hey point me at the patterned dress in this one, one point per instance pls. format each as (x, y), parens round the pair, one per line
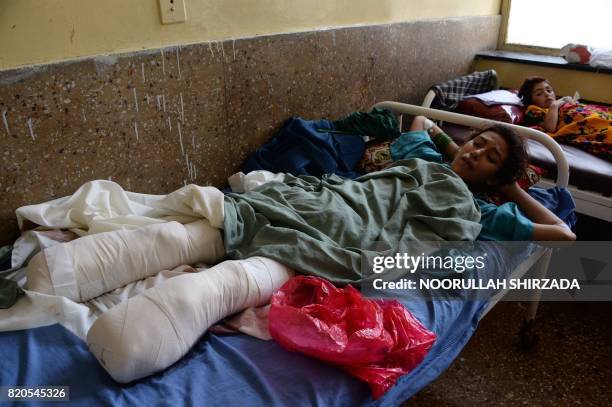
(588, 127)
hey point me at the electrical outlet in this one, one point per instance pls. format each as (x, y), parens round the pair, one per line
(172, 11)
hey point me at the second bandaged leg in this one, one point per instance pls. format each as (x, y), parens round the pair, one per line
(155, 328)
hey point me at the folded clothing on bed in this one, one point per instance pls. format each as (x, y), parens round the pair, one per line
(379, 124)
(305, 147)
(317, 147)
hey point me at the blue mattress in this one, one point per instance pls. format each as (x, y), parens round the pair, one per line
(241, 370)
(226, 370)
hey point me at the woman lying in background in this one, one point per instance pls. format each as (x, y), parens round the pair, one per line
(588, 127)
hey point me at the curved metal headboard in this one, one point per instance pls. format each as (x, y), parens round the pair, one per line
(479, 123)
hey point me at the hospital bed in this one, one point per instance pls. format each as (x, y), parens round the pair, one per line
(242, 370)
(591, 177)
(539, 260)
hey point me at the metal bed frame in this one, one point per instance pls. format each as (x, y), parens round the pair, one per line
(539, 261)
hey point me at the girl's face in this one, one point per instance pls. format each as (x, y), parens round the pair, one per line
(543, 95)
(478, 161)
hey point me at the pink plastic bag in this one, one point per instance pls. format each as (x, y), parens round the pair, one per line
(376, 341)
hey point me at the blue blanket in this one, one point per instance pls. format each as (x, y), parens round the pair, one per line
(304, 147)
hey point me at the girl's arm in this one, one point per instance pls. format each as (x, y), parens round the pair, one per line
(547, 226)
(419, 124)
(552, 116)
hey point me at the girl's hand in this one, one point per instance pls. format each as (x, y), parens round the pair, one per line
(563, 100)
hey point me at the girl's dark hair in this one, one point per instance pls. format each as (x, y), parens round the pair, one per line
(515, 165)
(527, 88)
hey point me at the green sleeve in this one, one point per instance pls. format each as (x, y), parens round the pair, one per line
(380, 124)
(9, 293)
(415, 144)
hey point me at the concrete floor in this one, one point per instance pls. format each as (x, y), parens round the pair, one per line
(571, 364)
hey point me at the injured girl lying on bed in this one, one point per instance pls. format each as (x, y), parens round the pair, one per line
(281, 225)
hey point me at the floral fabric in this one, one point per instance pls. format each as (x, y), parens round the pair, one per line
(588, 127)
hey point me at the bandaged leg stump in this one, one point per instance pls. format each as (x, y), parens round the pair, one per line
(93, 265)
(154, 329)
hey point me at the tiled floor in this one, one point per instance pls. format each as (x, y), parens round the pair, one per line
(571, 365)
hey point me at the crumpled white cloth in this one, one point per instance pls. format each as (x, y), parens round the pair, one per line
(584, 54)
(97, 206)
(601, 58)
(239, 182)
(101, 206)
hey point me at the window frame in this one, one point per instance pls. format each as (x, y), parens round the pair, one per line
(503, 45)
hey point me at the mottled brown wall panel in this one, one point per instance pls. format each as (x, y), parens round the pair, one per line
(155, 120)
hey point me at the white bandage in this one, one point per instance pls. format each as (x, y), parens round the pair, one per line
(154, 329)
(92, 265)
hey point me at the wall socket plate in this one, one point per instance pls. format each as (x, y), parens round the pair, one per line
(172, 11)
